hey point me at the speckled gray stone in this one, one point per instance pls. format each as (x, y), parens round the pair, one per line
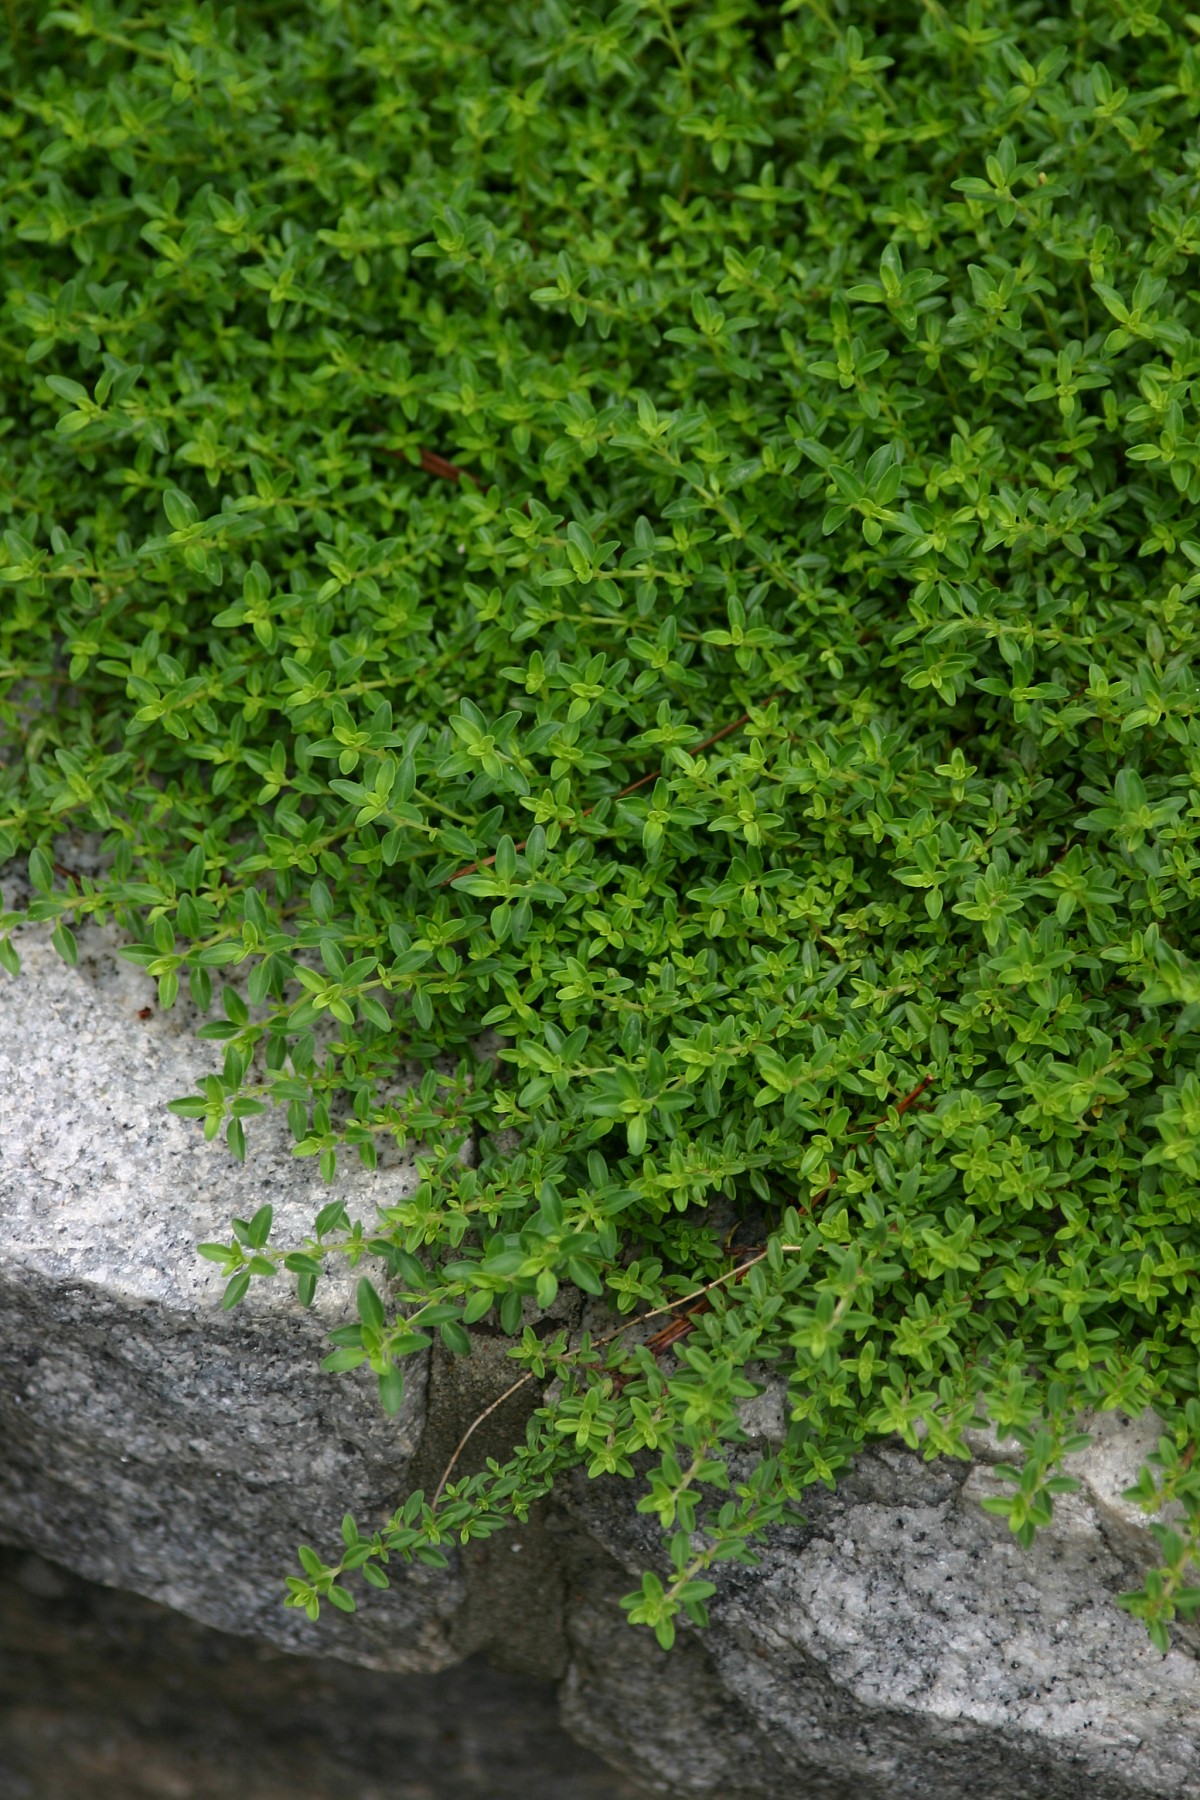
(898, 1646)
(149, 1439)
(902, 1646)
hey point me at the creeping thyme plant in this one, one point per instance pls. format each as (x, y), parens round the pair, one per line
(643, 560)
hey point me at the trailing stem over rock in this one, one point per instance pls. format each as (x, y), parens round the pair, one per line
(638, 563)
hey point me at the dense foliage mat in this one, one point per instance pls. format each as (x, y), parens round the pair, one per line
(638, 560)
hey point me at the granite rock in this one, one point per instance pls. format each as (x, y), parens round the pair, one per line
(151, 1440)
(897, 1646)
(106, 1696)
(901, 1645)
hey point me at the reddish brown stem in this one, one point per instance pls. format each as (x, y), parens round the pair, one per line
(433, 464)
(904, 1104)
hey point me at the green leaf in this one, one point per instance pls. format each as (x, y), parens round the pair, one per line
(259, 1228)
(455, 1338)
(370, 1306)
(65, 944)
(235, 1290)
(391, 1390)
(800, 826)
(41, 872)
(179, 509)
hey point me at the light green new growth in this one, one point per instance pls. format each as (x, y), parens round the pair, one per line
(663, 534)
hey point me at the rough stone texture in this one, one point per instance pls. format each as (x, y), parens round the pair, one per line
(899, 1646)
(902, 1646)
(151, 1440)
(105, 1696)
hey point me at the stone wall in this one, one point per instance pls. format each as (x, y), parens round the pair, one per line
(898, 1644)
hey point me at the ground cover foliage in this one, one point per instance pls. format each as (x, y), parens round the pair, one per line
(662, 534)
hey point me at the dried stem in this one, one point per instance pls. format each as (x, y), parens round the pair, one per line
(469, 1433)
(678, 1328)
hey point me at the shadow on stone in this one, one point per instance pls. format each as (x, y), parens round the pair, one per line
(104, 1693)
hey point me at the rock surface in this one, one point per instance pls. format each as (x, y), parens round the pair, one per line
(151, 1440)
(105, 1696)
(899, 1644)
(902, 1646)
